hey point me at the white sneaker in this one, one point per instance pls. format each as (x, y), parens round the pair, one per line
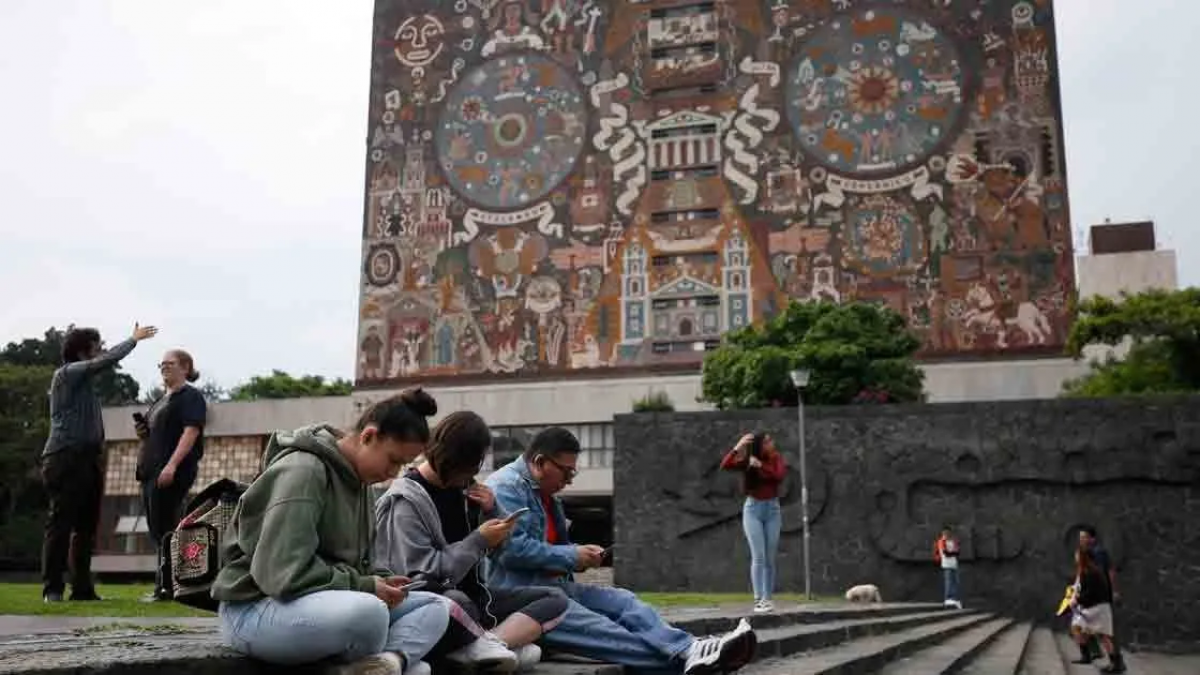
(486, 652)
(722, 654)
(385, 663)
(763, 606)
(529, 656)
(419, 668)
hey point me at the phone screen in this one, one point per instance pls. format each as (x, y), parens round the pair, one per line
(517, 514)
(415, 585)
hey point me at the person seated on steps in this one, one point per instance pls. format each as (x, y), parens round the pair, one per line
(298, 586)
(428, 525)
(606, 624)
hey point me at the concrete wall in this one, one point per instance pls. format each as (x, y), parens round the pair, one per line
(1016, 479)
(1132, 272)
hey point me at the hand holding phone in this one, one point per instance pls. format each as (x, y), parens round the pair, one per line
(414, 585)
(607, 555)
(516, 514)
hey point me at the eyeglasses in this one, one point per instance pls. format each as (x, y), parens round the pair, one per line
(569, 472)
(167, 364)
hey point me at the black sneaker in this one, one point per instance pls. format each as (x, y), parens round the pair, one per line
(88, 596)
(52, 596)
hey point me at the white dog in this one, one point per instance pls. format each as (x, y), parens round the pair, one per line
(864, 593)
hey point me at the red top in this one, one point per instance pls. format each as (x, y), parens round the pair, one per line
(770, 474)
(551, 529)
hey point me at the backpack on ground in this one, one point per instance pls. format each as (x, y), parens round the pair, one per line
(193, 549)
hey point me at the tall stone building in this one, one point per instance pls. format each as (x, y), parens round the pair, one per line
(591, 187)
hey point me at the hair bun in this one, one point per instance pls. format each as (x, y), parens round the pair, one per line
(193, 375)
(419, 401)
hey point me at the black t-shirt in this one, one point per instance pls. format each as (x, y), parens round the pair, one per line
(168, 417)
(457, 522)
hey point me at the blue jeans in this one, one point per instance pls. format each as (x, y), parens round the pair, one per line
(611, 624)
(345, 625)
(949, 584)
(761, 519)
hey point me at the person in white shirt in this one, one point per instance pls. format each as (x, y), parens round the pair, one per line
(945, 552)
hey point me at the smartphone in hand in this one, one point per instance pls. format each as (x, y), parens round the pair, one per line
(516, 514)
(414, 585)
(607, 555)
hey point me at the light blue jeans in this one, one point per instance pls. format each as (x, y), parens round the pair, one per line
(949, 584)
(761, 519)
(342, 625)
(613, 625)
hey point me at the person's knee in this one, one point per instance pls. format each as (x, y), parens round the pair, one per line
(362, 620)
(430, 619)
(556, 601)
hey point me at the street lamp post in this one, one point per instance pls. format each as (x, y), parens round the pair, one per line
(800, 380)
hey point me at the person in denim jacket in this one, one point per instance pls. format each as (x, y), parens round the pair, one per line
(607, 624)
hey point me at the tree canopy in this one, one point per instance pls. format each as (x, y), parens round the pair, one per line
(855, 353)
(24, 424)
(1163, 329)
(113, 386)
(281, 385)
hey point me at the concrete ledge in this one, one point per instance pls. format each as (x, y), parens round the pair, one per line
(192, 646)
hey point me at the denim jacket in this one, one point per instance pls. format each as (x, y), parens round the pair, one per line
(527, 559)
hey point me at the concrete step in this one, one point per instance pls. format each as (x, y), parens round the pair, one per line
(951, 655)
(869, 655)
(1041, 654)
(798, 638)
(1004, 655)
(720, 620)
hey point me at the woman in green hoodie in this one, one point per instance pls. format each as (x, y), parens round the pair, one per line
(298, 585)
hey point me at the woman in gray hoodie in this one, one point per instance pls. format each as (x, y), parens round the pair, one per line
(428, 525)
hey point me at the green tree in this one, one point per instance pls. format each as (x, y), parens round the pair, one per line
(1163, 329)
(113, 386)
(855, 353)
(281, 385)
(212, 392)
(24, 424)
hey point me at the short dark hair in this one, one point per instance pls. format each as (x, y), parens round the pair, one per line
(1089, 529)
(401, 417)
(458, 444)
(77, 342)
(551, 442)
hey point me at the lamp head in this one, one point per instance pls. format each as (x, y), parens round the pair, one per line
(800, 378)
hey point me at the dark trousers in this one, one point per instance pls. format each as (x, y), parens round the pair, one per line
(74, 480)
(164, 509)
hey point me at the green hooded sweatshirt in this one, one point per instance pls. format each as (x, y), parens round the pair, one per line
(304, 525)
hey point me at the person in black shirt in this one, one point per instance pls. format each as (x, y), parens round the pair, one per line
(172, 434)
(437, 523)
(1092, 611)
(1088, 539)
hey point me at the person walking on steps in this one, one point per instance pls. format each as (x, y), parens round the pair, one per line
(72, 464)
(1093, 648)
(945, 552)
(1092, 616)
(763, 469)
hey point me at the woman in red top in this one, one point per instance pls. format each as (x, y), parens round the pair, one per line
(763, 469)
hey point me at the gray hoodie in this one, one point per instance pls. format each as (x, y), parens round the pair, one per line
(409, 537)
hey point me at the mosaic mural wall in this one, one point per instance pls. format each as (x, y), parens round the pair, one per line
(568, 185)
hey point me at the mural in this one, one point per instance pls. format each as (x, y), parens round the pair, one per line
(567, 185)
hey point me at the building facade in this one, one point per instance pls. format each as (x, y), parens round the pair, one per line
(587, 189)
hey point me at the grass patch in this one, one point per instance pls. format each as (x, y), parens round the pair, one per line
(669, 600)
(123, 600)
(120, 600)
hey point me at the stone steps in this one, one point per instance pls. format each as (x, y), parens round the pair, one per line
(870, 654)
(800, 638)
(953, 654)
(1041, 654)
(1004, 656)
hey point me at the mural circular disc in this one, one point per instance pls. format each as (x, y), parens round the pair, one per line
(511, 131)
(383, 264)
(875, 92)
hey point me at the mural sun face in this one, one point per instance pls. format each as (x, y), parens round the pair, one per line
(419, 40)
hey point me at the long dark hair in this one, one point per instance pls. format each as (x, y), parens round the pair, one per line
(751, 480)
(458, 444)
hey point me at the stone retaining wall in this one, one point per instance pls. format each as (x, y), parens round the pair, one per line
(1016, 479)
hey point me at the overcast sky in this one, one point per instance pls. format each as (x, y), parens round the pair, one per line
(199, 165)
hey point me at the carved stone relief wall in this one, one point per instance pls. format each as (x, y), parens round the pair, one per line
(570, 185)
(1016, 480)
